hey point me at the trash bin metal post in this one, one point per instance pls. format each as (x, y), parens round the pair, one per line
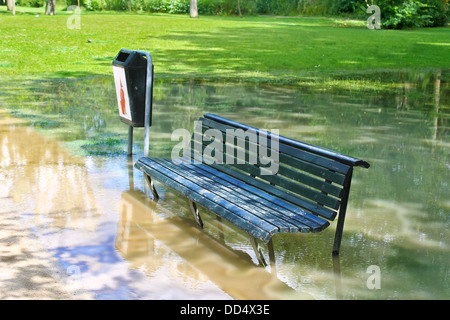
(130, 140)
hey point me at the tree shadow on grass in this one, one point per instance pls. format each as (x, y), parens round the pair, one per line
(292, 52)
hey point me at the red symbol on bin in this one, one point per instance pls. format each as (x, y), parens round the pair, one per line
(122, 99)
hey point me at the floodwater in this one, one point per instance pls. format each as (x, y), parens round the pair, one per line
(64, 165)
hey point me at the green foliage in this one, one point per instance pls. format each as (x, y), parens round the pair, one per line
(410, 13)
(328, 7)
(395, 14)
(345, 6)
(281, 7)
(440, 11)
(30, 3)
(178, 6)
(155, 6)
(69, 3)
(398, 14)
(208, 7)
(226, 7)
(94, 4)
(163, 6)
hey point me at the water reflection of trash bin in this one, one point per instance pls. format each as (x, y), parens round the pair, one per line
(130, 78)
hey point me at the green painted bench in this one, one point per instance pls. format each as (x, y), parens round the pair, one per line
(308, 188)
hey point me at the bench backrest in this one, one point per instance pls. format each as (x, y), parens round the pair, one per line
(313, 178)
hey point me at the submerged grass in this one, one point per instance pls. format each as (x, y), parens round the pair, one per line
(252, 49)
(108, 146)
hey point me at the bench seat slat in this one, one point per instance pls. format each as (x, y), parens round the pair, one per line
(258, 228)
(293, 212)
(252, 206)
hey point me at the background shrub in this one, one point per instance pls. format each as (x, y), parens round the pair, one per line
(395, 14)
(398, 14)
(94, 4)
(30, 3)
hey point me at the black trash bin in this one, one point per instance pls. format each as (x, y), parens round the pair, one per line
(130, 76)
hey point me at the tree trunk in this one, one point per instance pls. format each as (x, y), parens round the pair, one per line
(193, 11)
(437, 96)
(11, 5)
(50, 7)
(239, 9)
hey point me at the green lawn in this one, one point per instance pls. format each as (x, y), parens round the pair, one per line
(230, 48)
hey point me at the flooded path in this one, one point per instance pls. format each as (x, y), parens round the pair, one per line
(28, 270)
(93, 235)
(74, 208)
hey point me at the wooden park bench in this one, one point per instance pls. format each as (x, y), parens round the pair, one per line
(309, 189)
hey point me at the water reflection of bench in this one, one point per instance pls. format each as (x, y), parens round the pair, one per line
(310, 187)
(147, 233)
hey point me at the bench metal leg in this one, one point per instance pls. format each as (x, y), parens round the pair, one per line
(341, 216)
(152, 187)
(271, 256)
(338, 235)
(258, 252)
(194, 210)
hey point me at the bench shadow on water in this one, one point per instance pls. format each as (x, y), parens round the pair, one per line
(397, 219)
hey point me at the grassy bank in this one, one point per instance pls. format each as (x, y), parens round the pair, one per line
(261, 49)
